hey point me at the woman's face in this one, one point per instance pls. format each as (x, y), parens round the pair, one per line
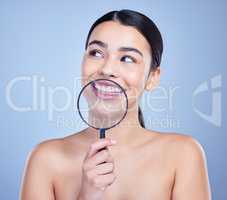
(119, 53)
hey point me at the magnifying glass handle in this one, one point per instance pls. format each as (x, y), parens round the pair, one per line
(102, 133)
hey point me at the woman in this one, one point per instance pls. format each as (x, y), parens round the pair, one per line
(132, 163)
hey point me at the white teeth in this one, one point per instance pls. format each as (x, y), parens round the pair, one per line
(103, 88)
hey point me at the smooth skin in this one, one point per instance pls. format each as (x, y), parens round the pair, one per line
(138, 164)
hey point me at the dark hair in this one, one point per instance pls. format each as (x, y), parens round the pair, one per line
(145, 26)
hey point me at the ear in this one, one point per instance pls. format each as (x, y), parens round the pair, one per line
(153, 79)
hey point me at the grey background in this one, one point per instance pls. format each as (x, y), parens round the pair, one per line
(44, 40)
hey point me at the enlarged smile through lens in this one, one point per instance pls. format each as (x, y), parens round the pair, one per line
(106, 90)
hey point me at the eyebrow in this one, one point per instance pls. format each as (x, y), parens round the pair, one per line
(102, 44)
(131, 49)
(98, 42)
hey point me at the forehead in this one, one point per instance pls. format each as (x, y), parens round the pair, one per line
(117, 35)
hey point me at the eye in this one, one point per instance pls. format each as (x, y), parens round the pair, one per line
(128, 59)
(95, 53)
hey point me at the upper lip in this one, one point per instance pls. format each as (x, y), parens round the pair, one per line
(108, 82)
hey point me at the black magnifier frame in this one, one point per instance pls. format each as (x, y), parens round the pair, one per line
(102, 130)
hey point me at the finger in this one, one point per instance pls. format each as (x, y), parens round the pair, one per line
(103, 181)
(100, 157)
(104, 168)
(100, 144)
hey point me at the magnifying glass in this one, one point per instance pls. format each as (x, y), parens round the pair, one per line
(102, 104)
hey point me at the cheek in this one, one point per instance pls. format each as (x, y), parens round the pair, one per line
(89, 67)
(135, 79)
(86, 72)
(135, 84)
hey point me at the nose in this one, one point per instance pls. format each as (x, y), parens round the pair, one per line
(108, 68)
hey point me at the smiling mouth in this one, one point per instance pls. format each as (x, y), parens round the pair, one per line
(106, 90)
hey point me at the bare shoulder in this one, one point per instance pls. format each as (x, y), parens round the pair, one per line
(39, 171)
(186, 156)
(50, 153)
(179, 145)
(45, 155)
(184, 144)
(45, 163)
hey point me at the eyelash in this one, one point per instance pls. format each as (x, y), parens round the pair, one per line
(92, 53)
(133, 59)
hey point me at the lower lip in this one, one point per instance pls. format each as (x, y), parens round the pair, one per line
(105, 95)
